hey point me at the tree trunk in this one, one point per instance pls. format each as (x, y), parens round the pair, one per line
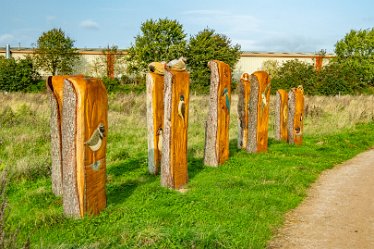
(155, 119)
(296, 115)
(216, 150)
(281, 115)
(85, 109)
(258, 112)
(174, 149)
(243, 103)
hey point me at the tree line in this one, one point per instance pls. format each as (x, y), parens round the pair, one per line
(352, 71)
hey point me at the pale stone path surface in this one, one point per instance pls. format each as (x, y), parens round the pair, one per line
(338, 212)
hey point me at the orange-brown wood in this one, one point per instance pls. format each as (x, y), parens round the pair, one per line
(174, 172)
(224, 85)
(298, 123)
(55, 86)
(156, 95)
(283, 115)
(92, 110)
(244, 93)
(263, 110)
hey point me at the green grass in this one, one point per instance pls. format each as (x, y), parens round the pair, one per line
(238, 205)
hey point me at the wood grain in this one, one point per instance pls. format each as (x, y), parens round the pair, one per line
(243, 102)
(281, 115)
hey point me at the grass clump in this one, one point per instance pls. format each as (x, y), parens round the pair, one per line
(238, 205)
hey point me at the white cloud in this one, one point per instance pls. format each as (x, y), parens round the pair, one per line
(51, 18)
(89, 24)
(6, 38)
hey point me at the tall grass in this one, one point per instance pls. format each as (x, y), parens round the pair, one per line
(237, 205)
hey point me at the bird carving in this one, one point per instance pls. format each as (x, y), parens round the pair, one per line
(263, 96)
(157, 67)
(227, 99)
(159, 144)
(177, 64)
(96, 139)
(181, 108)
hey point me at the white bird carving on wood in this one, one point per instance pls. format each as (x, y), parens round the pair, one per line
(96, 139)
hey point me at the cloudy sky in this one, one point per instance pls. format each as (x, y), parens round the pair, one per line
(262, 25)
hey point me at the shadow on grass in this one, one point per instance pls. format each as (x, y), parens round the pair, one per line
(132, 173)
(129, 165)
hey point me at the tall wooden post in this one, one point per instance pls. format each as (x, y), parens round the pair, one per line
(296, 115)
(84, 139)
(216, 149)
(244, 92)
(174, 173)
(55, 89)
(155, 119)
(281, 115)
(258, 112)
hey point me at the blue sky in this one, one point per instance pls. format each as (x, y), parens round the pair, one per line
(262, 25)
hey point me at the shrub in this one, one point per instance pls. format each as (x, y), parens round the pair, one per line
(19, 75)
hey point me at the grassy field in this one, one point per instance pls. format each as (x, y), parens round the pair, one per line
(238, 205)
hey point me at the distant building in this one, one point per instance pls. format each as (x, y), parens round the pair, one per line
(93, 60)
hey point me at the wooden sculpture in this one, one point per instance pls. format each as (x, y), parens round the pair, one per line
(281, 115)
(84, 139)
(155, 114)
(174, 146)
(258, 112)
(55, 88)
(244, 91)
(216, 149)
(296, 115)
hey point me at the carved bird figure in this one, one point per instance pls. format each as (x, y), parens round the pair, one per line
(157, 67)
(177, 64)
(181, 108)
(96, 139)
(227, 99)
(159, 144)
(264, 94)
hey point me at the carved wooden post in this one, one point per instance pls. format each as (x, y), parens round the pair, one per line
(216, 149)
(55, 89)
(281, 115)
(155, 115)
(174, 148)
(296, 115)
(258, 112)
(84, 139)
(244, 91)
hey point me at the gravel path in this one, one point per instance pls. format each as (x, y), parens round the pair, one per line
(338, 212)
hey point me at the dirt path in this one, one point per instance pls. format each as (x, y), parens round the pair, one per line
(338, 212)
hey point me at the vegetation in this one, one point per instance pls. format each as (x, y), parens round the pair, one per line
(204, 47)
(238, 205)
(160, 40)
(55, 52)
(356, 52)
(19, 75)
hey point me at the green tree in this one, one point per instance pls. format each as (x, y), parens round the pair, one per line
(55, 52)
(160, 40)
(206, 46)
(356, 50)
(293, 73)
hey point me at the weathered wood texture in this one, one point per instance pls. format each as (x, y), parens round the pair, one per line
(258, 112)
(243, 102)
(85, 107)
(155, 119)
(55, 90)
(281, 115)
(174, 173)
(296, 115)
(216, 150)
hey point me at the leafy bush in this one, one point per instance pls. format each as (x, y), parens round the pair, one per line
(293, 73)
(206, 46)
(126, 84)
(19, 75)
